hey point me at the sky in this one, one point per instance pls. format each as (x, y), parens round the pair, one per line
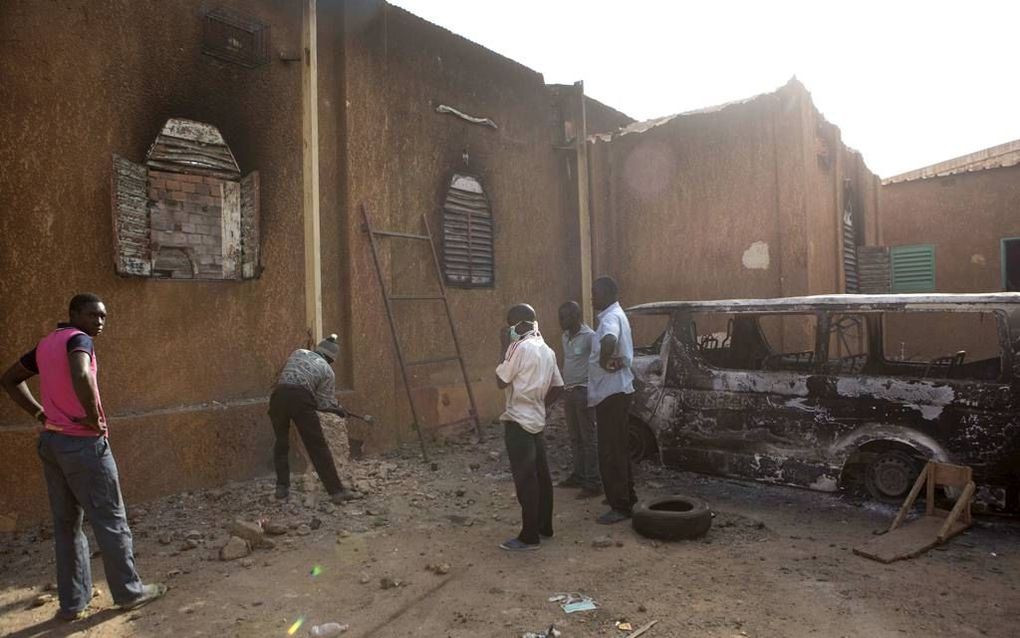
(908, 83)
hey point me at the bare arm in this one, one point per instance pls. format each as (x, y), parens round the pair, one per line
(85, 389)
(13, 381)
(554, 393)
(607, 348)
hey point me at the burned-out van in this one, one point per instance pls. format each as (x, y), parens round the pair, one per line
(826, 391)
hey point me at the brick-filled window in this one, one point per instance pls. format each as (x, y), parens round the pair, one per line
(186, 214)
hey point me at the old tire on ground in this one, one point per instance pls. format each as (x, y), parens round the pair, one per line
(890, 475)
(672, 518)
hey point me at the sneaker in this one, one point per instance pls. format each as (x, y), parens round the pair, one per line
(570, 481)
(611, 517)
(517, 545)
(588, 492)
(149, 594)
(71, 616)
(282, 492)
(345, 495)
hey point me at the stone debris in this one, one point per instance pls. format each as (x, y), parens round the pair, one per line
(602, 541)
(42, 599)
(274, 528)
(387, 582)
(440, 569)
(235, 548)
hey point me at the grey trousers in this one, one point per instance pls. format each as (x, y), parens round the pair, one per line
(583, 437)
(81, 477)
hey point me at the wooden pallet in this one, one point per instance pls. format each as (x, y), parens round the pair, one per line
(935, 527)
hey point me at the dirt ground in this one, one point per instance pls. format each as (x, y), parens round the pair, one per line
(777, 562)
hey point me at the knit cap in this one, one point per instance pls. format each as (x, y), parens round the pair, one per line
(328, 347)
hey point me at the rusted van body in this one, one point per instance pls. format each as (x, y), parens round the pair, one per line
(822, 391)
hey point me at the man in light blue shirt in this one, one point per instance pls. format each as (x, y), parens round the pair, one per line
(610, 390)
(577, 338)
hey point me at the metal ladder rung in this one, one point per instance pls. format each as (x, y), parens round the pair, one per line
(390, 233)
(425, 362)
(416, 297)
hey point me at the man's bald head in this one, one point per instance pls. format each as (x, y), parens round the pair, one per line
(570, 316)
(604, 292)
(520, 312)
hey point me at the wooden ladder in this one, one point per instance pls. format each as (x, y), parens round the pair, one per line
(388, 299)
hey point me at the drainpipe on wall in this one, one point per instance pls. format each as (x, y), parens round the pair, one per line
(583, 211)
(310, 145)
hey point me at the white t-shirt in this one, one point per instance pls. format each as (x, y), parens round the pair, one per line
(529, 367)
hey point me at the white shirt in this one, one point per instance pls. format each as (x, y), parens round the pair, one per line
(602, 383)
(529, 369)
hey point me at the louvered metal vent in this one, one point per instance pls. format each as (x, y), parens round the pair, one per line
(913, 268)
(235, 37)
(467, 234)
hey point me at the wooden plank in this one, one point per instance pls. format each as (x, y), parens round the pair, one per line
(913, 539)
(583, 214)
(953, 475)
(230, 228)
(909, 503)
(929, 506)
(310, 134)
(950, 527)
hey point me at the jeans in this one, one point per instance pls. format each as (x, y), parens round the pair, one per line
(295, 403)
(613, 417)
(532, 481)
(583, 437)
(81, 477)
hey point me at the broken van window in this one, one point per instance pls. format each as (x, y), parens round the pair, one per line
(942, 345)
(848, 344)
(756, 342)
(648, 332)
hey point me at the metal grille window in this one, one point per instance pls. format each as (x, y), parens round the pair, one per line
(467, 234)
(913, 268)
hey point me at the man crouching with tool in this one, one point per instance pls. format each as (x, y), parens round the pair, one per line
(307, 386)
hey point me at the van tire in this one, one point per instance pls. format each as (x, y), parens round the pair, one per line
(641, 441)
(889, 476)
(672, 518)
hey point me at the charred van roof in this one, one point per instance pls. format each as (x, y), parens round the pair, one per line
(969, 302)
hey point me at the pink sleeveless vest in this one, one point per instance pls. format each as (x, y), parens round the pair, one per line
(60, 403)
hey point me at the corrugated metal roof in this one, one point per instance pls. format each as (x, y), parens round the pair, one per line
(1001, 156)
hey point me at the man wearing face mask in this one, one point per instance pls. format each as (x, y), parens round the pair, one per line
(531, 380)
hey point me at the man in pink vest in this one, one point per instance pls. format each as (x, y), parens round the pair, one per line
(81, 475)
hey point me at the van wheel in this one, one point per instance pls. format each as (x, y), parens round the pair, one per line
(672, 518)
(641, 440)
(890, 475)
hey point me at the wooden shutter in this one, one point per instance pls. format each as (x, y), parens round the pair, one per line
(467, 234)
(250, 266)
(873, 269)
(851, 273)
(132, 243)
(913, 268)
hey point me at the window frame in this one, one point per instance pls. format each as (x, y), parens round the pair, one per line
(814, 368)
(1002, 261)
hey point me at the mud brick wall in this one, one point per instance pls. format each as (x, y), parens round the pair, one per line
(187, 213)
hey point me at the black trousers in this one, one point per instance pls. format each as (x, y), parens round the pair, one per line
(612, 417)
(290, 402)
(530, 469)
